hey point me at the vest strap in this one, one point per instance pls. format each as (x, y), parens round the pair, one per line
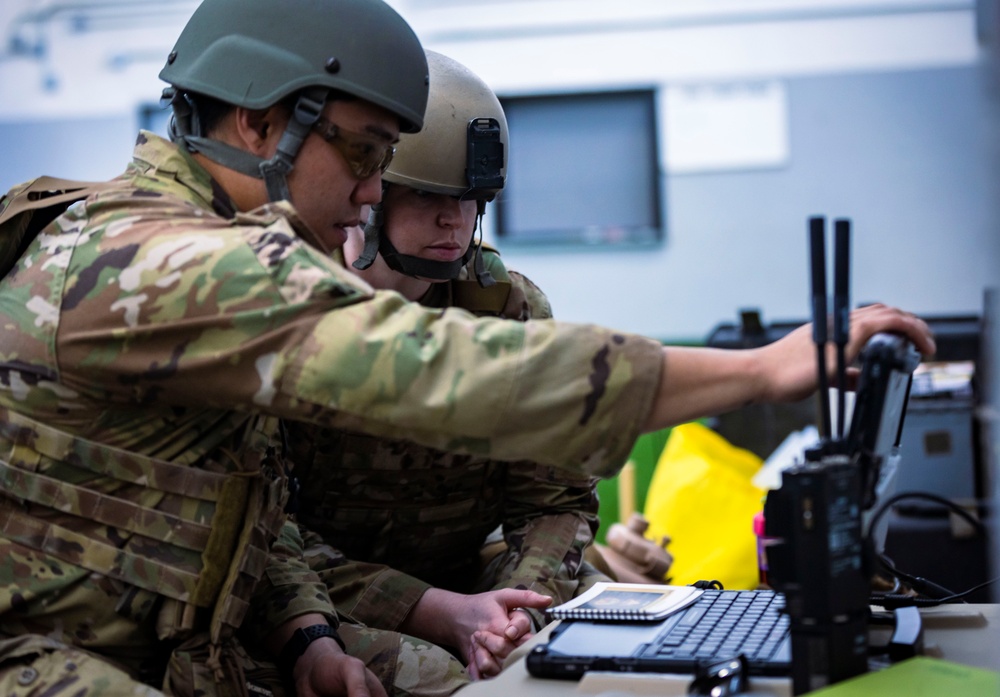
(102, 508)
(232, 507)
(94, 555)
(106, 460)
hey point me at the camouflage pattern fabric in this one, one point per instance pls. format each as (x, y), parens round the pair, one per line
(391, 517)
(35, 665)
(158, 295)
(154, 318)
(177, 532)
(406, 666)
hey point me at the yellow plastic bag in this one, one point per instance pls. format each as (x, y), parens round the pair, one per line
(702, 497)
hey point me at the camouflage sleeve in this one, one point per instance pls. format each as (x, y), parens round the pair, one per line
(551, 518)
(526, 301)
(255, 319)
(289, 588)
(372, 594)
(380, 596)
(551, 515)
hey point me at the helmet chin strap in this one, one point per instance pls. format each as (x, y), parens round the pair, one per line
(378, 243)
(185, 129)
(423, 268)
(373, 228)
(484, 277)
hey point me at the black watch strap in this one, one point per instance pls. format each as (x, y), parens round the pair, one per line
(299, 642)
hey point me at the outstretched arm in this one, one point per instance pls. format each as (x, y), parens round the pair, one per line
(697, 382)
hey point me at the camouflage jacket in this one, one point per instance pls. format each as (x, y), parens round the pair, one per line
(408, 516)
(155, 318)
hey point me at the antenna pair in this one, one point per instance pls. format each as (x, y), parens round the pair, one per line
(841, 315)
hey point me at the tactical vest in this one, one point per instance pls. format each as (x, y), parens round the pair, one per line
(247, 511)
(246, 504)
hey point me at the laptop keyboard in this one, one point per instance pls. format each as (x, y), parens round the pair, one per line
(724, 624)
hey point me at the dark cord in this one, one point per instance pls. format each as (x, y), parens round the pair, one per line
(891, 601)
(708, 585)
(951, 505)
(921, 585)
(918, 583)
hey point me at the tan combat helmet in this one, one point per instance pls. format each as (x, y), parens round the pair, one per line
(461, 151)
(257, 53)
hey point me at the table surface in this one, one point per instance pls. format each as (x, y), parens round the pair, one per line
(963, 633)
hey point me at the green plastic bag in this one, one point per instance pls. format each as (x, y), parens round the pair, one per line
(702, 497)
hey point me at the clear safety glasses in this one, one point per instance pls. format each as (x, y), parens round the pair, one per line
(364, 155)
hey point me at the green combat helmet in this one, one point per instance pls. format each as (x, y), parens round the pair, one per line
(255, 53)
(461, 152)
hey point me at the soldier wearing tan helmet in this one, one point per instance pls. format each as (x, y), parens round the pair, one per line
(460, 157)
(426, 530)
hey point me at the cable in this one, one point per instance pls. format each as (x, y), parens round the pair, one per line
(918, 583)
(891, 601)
(951, 505)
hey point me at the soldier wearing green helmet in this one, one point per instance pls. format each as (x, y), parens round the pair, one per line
(170, 564)
(160, 328)
(402, 536)
(250, 55)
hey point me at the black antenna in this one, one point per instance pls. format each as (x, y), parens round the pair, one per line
(817, 249)
(841, 310)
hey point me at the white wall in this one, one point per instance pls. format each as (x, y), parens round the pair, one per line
(924, 193)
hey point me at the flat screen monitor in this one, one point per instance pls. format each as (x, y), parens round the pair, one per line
(582, 169)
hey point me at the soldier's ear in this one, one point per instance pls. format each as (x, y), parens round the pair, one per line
(257, 130)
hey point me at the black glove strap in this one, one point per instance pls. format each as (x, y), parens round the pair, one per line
(299, 642)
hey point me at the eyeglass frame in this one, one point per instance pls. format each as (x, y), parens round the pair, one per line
(342, 140)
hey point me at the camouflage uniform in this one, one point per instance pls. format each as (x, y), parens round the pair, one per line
(427, 513)
(155, 319)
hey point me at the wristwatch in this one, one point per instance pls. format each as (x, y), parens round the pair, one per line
(299, 642)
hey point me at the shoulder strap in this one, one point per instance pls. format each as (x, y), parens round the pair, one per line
(43, 192)
(27, 208)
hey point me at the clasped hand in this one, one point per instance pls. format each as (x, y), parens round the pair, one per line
(484, 627)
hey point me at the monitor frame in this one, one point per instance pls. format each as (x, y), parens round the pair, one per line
(553, 184)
